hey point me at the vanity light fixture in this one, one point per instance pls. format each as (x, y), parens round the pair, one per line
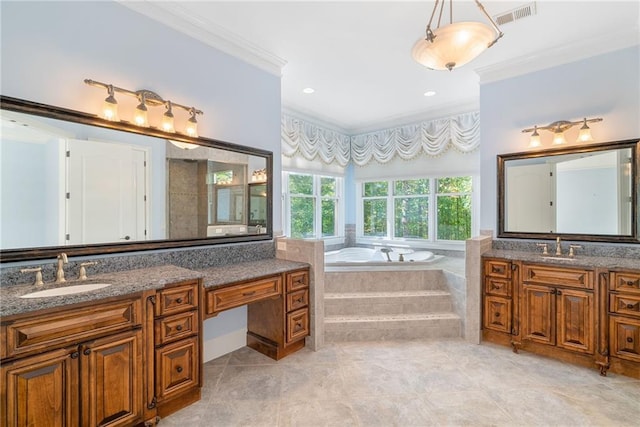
(259, 175)
(559, 128)
(146, 98)
(454, 44)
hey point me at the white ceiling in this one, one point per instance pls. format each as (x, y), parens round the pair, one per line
(357, 55)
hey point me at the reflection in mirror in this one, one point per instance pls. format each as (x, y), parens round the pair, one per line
(66, 184)
(258, 205)
(586, 193)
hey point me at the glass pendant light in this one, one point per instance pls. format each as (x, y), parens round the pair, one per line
(140, 116)
(192, 124)
(585, 133)
(110, 106)
(167, 119)
(535, 141)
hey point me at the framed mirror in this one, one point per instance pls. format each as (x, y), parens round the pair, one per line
(75, 183)
(585, 193)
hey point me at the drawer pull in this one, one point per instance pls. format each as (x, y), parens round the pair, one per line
(179, 369)
(87, 351)
(629, 340)
(300, 300)
(179, 300)
(248, 294)
(75, 355)
(298, 327)
(629, 306)
(630, 283)
(179, 327)
(559, 292)
(497, 314)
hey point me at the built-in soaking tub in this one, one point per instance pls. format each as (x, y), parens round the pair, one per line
(361, 257)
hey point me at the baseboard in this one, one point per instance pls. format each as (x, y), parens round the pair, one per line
(219, 346)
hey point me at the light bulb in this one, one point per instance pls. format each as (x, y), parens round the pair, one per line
(558, 138)
(140, 117)
(192, 125)
(110, 106)
(535, 141)
(167, 119)
(585, 133)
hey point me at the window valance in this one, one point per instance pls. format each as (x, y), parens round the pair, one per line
(462, 132)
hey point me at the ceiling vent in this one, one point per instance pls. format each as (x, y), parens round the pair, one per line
(515, 14)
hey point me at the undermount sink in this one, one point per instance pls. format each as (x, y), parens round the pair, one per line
(561, 258)
(67, 290)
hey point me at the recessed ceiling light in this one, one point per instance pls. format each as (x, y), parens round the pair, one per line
(308, 90)
(429, 93)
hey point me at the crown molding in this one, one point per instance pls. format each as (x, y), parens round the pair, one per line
(559, 55)
(175, 16)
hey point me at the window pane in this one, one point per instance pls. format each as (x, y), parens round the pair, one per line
(412, 217)
(374, 189)
(454, 217)
(328, 187)
(328, 218)
(375, 217)
(301, 217)
(301, 184)
(459, 184)
(411, 187)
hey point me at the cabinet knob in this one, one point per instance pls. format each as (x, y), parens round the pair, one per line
(629, 340)
(179, 327)
(497, 314)
(179, 369)
(629, 283)
(75, 355)
(87, 351)
(559, 292)
(298, 326)
(552, 291)
(299, 300)
(179, 300)
(629, 306)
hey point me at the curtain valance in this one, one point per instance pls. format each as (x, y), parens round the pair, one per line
(462, 132)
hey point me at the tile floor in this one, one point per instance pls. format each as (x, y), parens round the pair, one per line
(415, 383)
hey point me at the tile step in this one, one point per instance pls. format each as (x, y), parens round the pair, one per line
(390, 318)
(393, 294)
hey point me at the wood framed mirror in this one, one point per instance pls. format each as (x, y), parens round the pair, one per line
(75, 183)
(587, 193)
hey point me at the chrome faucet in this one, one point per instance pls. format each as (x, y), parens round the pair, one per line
(62, 259)
(386, 252)
(558, 247)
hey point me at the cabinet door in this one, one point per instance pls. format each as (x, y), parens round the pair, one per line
(497, 314)
(539, 314)
(575, 320)
(624, 336)
(177, 368)
(112, 380)
(41, 390)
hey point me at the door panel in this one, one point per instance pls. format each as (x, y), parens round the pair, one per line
(575, 320)
(539, 314)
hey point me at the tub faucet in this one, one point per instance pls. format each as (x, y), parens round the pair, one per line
(386, 252)
(62, 259)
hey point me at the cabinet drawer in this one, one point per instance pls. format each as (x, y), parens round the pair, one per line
(624, 338)
(237, 295)
(175, 327)
(497, 314)
(37, 333)
(626, 282)
(297, 299)
(561, 276)
(297, 325)
(497, 268)
(625, 304)
(499, 287)
(297, 280)
(178, 299)
(177, 367)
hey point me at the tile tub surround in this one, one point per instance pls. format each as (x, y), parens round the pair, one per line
(417, 383)
(192, 258)
(475, 248)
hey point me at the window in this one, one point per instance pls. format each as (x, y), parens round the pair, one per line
(311, 206)
(432, 209)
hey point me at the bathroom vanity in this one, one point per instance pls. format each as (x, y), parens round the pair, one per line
(131, 353)
(584, 310)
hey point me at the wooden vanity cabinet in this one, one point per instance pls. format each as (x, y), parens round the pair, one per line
(558, 307)
(176, 347)
(498, 296)
(74, 367)
(624, 321)
(277, 327)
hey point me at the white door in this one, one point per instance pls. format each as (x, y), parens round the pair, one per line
(106, 193)
(529, 199)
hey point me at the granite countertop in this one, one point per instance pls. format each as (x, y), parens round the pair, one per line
(122, 283)
(219, 276)
(578, 261)
(133, 281)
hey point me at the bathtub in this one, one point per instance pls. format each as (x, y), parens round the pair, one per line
(368, 256)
